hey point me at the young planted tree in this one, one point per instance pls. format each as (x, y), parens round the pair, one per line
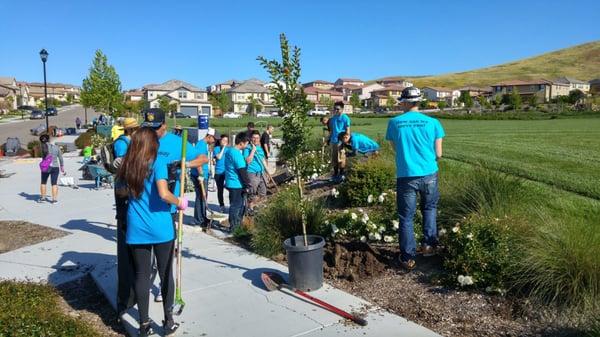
(255, 106)
(466, 99)
(290, 98)
(355, 101)
(441, 105)
(390, 102)
(163, 103)
(515, 99)
(102, 86)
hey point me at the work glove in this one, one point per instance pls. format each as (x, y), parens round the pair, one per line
(183, 203)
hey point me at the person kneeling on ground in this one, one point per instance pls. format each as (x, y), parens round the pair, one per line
(149, 223)
(237, 181)
(358, 143)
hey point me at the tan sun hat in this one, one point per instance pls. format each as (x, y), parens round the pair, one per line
(130, 123)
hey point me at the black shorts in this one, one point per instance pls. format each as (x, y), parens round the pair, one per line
(53, 174)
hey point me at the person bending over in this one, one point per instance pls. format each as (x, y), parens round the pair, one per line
(357, 143)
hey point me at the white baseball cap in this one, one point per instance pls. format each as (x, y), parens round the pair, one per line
(211, 132)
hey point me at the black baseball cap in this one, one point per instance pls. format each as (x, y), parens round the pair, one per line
(153, 118)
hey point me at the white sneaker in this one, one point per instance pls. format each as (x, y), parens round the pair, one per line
(158, 297)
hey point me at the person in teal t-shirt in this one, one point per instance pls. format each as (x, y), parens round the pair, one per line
(236, 180)
(339, 122)
(417, 141)
(200, 176)
(219, 158)
(358, 143)
(149, 223)
(255, 159)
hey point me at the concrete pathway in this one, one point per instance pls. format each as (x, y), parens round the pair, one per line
(222, 289)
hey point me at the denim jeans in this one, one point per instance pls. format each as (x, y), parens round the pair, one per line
(407, 189)
(236, 207)
(200, 217)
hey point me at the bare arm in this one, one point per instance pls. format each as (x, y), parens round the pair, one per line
(165, 194)
(438, 148)
(250, 157)
(220, 154)
(198, 161)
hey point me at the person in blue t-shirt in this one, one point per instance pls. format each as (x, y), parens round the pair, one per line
(339, 122)
(358, 143)
(255, 159)
(149, 223)
(417, 141)
(219, 160)
(237, 181)
(125, 271)
(200, 176)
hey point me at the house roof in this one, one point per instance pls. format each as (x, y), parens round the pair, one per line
(473, 88)
(134, 93)
(520, 82)
(569, 80)
(440, 89)
(349, 80)
(317, 81)
(348, 86)
(250, 86)
(391, 79)
(392, 87)
(172, 85)
(595, 81)
(4, 91)
(313, 90)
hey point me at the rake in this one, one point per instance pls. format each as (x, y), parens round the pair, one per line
(179, 304)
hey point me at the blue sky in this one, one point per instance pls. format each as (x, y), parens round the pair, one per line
(205, 42)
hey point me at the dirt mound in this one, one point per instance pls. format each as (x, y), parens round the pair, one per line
(351, 261)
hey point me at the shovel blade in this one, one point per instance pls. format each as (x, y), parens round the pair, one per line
(271, 280)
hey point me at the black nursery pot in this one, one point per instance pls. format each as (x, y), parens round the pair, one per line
(305, 263)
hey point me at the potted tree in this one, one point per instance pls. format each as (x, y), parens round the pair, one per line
(304, 252)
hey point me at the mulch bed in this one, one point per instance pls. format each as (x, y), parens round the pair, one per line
(369, 271)
(17, 234)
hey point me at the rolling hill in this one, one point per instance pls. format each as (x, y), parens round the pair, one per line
(581, 62)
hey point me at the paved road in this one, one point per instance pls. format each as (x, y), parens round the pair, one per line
(66, 118)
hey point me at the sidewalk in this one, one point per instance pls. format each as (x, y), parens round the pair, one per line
(221, 282)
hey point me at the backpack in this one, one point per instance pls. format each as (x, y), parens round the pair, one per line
(107, 154)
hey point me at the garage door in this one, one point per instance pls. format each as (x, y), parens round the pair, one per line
(190, 110)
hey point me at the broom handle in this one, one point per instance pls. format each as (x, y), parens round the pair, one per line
(180, 220)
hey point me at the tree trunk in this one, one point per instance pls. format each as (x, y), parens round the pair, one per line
(300, 194)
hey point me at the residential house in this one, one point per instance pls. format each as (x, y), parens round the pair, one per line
(190, 99)
(59, 91)
(364, 92)
(438, 94)
(134, 95)
(318, 96)
(8, 94)
(244, 94)
(346, 89)
(319, 84)
(349, 81)
(224, 86)
(380, 97)
(544, 90)
(394, 81)
(595, 86)
(24, 98)
(476, 91)
(574, 84)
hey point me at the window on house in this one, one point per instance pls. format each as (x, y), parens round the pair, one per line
(199, 96)
(182, 94)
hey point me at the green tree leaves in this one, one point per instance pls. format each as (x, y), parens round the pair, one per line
(101, 89)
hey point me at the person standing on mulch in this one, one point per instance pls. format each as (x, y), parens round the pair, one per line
(340, 122)
(219, 158)
(417, 141)
(125, 271)
(236, 180)
(52, 163)
(265, 140)
(150, 224)
(200, 176)
(255, 161)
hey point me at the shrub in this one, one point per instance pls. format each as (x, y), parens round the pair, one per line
(34, 148)
(282, 218)
(33, 310)
(561, 264)
(479, 251)
(367, 177)
(312, 164)
(84, 139)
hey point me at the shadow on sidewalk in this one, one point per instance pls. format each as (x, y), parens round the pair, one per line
(29, 197)
(105, 230)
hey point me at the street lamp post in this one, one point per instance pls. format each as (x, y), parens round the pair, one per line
(44, 57)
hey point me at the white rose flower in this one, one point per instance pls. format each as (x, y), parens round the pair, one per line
(461, 280)
(381, 229)
(388, 238)
(395, 224)
(371, 236)
(470, 236)
(365, 218)
(343, 231)
(468, 280)
(384, 194)
(377, 236)
(363, 239)
(327, 222)
(381, 198)
(353, 216)
(315, 169)
(360, 210)
(346, 211)
(455, 229)
(442, 232)
(314, 176)
(370, 198)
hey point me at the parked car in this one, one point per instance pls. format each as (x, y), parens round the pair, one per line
(51, 111)
(263, 115)
(318, 113)
(36, 114)
(382, 110)
(231, 115)
(181, 115)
